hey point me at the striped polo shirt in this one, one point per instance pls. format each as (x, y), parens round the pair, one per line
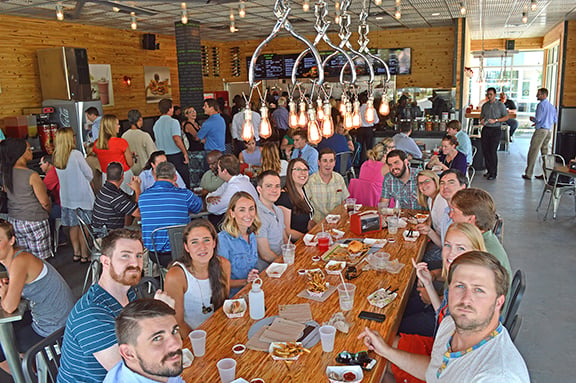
(111, 206)
(165, 205)
(89, 329)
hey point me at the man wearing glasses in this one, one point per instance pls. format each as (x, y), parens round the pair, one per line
(493, 114)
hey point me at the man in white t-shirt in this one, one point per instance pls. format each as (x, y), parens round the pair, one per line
(471, 344)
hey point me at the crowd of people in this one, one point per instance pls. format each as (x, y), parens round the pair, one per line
(463, 280)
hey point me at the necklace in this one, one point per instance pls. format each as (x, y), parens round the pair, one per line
(205, 309)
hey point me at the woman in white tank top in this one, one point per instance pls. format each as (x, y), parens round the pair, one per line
(199, 282)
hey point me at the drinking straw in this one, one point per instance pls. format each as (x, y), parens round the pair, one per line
(344, 283)
(322, 226)
(290, 238)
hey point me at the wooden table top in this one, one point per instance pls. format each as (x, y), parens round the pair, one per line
(564, 170)
(224, 333)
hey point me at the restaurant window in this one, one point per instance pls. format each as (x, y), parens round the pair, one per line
(552, 72)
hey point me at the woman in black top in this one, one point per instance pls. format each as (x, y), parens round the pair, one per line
(297, 209)
(191, 128)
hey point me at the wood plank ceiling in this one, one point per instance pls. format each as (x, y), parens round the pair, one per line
(499, 18)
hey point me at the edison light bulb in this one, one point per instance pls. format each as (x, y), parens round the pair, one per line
(327, 124)
(265, 127)
(342, 108)
(292, 117)
(370, 114)
(242, 10)
(247, 126)
(356, 121)
(348, 117)
(302, 119)
(320, 111)
(384, 107)
(378, 2)
(462, 9)
(533, 5)
(314, 136)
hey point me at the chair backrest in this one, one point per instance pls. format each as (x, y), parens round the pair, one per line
(498, 228)
(147, 287)
(40, 363)
(175, 237)
(471, 173)
(515, 326)
(516, 293)
(367, 193)
(548, 163)
(88, 234)
(343, 158)
(474, 150)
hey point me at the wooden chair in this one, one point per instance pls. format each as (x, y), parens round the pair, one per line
(549, 161)
(93, 246)
(516, 293)
(40, 363)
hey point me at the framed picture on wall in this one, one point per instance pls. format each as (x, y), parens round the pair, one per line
(157, 83)
(101, 83)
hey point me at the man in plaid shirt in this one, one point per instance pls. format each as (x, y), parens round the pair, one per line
(400, 183)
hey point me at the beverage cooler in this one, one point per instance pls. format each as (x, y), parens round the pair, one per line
(70, 113)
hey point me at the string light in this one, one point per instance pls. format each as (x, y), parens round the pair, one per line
(233, 26)
(247, 125)
(397, 14)
(242, 9)
(342, 108)
(348, 117)
(184, 17)
(320, 110)
(231, 15)
(327, 124)
(302, 119)
(133, 23)
(314, 136)
(378, 2)
(337, 5)
(533, 5)
(384, 109)
(462, 9)
(338, 18)
(306, 5)
(293, 117)
(524, 17)
(370, 114)
(356, 121)
(265, 127)
(59, 12)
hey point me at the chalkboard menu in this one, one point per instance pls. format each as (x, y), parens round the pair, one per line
(188, 52)
(274, 66)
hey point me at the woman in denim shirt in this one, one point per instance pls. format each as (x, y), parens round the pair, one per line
(237, 240)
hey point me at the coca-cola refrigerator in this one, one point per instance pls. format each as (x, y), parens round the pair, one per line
(70, 113)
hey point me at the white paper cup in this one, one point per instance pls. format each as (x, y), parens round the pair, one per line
(392, 224)
(327, 336)
(227, 370)
(198, 340)
(346, 294)
(288, 252)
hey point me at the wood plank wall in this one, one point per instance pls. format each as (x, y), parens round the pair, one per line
(20, 82)
(569, 75)
(521, 44)
(432, 55)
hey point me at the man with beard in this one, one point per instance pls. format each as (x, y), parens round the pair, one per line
(471, 344)
(400, 183)
(149, 342)
(89, 349)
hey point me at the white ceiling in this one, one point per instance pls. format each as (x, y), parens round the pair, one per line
(501, 18)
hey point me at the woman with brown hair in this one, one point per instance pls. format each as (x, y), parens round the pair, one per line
(28, 202)
(271, 159)
(74, 175)
(237, 240)
(450, 158)
(200, 280)
(297, 209)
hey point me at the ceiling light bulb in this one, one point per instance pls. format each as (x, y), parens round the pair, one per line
(116, 9)
(320, 109)
(314, 135)
(306, 5)
(184, 16)
(232, 27)
(524, 17)
(302, 119)
(242, 9)
(356, 120)
(397, 3)
(337, 5)
(533, 5)
(247, 125)
(337, 19)
(370, 113)
(384, 109)
(327, 124)
(183, 5)
(293, 117)
(133, 23)
(265, 127)
(397, 14)
(462, 9)
(378, 2)
(231, 15)
(59, 12)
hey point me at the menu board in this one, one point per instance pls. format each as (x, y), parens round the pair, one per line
(268, 66)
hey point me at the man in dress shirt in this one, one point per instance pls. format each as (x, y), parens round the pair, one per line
(471, 344)
(305, 151)
(400, 182)
(404, 142)
(492, 116)
(236, 130)
(272, 234)
(543, 122)
(326, 189)
(454, 129)
(229, 170)
(149, 342)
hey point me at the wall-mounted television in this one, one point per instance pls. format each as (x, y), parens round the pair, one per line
(272, 66)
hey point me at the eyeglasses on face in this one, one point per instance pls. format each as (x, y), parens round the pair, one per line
(299, 170)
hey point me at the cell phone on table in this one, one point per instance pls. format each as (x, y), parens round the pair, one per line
(372, 316)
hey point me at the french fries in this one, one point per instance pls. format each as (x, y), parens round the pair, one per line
(317, 282)
(289, 350)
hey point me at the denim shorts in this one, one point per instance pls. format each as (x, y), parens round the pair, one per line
(69, 216)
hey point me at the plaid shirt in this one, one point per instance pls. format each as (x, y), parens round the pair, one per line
(325, 197)
(405, 194)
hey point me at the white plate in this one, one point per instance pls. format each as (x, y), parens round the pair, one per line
(341, 370)
(310, 240)
(381, 298)
(421, 218)
(413, 238)
(332, 218)
(275, 345)
(275, 270)
(187, 358)
(340, 264)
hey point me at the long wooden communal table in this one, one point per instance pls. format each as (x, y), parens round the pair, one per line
(224, 333)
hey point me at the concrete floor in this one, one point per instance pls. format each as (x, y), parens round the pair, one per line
(545, 250)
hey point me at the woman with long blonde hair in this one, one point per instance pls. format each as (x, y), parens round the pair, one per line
(271, 159)
(237, 240)
(110, 148)
(75, 176)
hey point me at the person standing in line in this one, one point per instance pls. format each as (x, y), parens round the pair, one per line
(169, 139)
(492, 116)
(139, 142)
(543, 122)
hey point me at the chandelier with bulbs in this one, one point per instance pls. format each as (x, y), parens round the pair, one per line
(309, 103)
